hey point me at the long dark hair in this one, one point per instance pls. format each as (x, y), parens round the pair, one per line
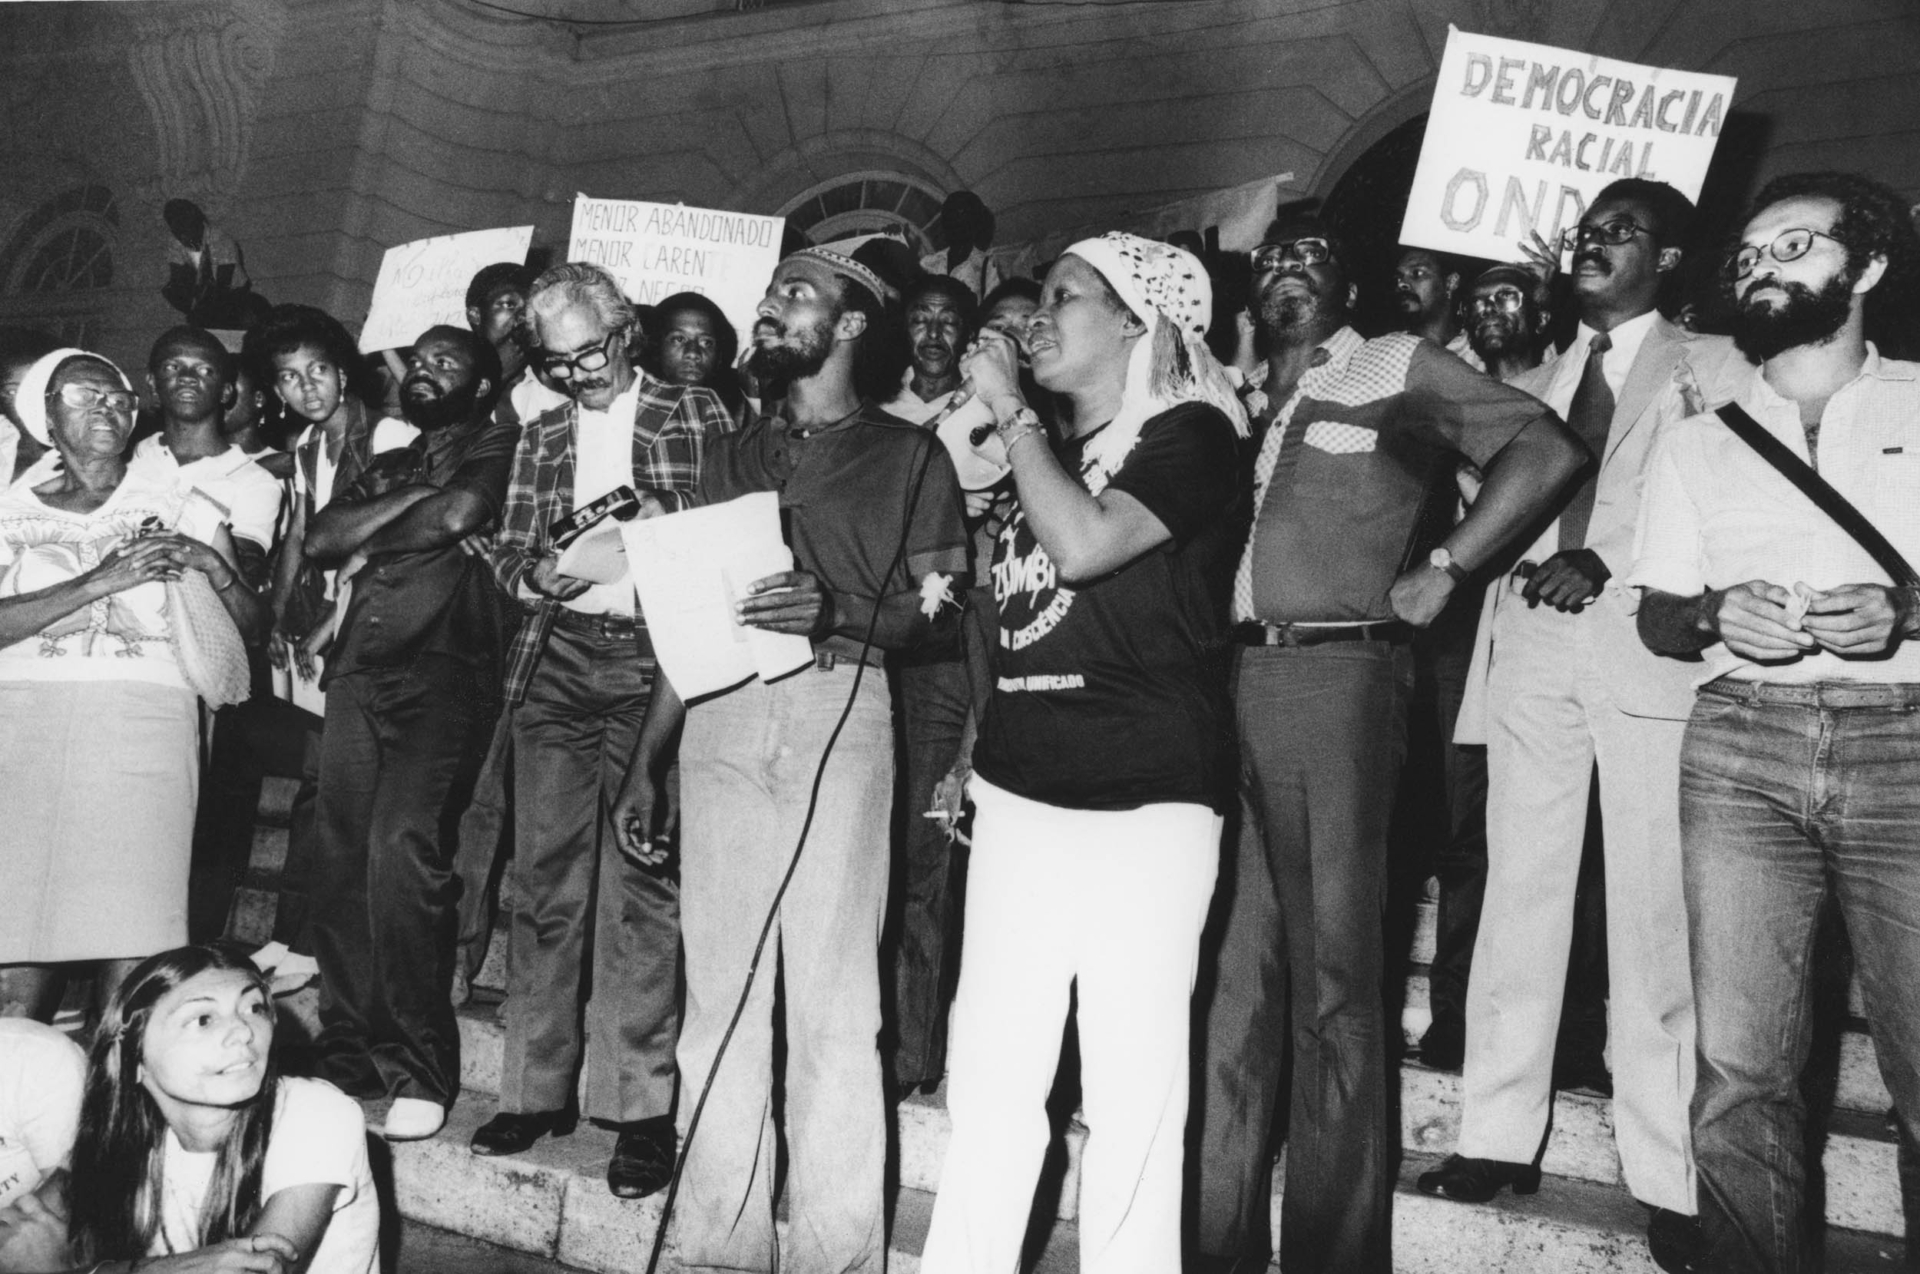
(119, 1158)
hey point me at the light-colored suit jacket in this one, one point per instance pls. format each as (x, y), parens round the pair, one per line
(1675, 375)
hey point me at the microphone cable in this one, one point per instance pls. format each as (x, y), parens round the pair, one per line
(932, 446)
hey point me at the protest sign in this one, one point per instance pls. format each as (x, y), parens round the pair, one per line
(657, 249)
(1521, 137)
(425, 282)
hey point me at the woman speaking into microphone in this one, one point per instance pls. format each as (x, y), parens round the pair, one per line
(1099, 772)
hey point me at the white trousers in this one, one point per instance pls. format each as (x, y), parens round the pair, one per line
(1549, 721)
(1113, 901)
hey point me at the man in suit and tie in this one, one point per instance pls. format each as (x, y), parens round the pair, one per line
(1567, 685)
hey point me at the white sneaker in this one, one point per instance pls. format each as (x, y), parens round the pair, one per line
(268, 958)
(294, 972)
(414, 1119)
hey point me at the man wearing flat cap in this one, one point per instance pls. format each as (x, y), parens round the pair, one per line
(873, 514)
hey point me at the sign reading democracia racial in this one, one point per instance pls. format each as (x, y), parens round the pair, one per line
(657, 249)
(1522, 136)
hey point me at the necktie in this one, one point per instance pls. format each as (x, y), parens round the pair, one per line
(1590, 416)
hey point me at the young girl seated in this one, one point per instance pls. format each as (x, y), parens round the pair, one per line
(194, 1156)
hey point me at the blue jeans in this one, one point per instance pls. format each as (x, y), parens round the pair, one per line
(747, 765)
(1789, 795)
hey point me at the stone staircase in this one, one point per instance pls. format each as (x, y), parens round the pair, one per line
(553, 1200)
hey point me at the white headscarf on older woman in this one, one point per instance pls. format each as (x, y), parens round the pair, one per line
(30, 405)
(1168, 289)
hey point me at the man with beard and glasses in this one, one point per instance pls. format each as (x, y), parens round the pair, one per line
(577, 685)
(412, 688)
(1353, 548)
(1573, 693)
(872, 510)
(1797, 769)
(935, 695)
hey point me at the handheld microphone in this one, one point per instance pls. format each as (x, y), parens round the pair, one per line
(964, 394)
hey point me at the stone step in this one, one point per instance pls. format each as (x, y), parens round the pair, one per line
(552, 1201)
(1862, 1175)
(1860, 1085)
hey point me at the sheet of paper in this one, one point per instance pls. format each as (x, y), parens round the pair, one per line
(978, 467)
(425, 282)
(1521, 137)
(599, 556)
(689, 569)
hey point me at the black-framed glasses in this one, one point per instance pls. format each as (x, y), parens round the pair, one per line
(1505, 299)
(1612, 232)
(590, 359)
(1788, 245)
(84, 397)
(1310, 251)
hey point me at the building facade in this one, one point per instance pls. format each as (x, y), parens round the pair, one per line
(317, 133)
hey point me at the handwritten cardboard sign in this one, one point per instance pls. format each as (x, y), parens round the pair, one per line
(1522, 136)
(657, 249)
(424, 283)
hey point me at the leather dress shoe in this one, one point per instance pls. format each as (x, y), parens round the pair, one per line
(1478, 1180)
(1444, 1046)
(509, 1133)
(1675, 1242)
(642, 1158)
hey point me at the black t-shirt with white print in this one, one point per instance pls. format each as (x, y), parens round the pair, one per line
(1112, 695)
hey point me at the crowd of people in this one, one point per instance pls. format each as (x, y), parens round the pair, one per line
(1119, 640)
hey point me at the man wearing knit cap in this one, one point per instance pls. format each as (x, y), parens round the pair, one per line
(1353, 548)
(873, 515)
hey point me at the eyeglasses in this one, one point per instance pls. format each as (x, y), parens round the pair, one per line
(83, 397)
(1613, 233)
(1269, 256)
(590, 359)
(1788, 245)
(1506, 300)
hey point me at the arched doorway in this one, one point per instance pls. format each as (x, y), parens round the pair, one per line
(1368, 203)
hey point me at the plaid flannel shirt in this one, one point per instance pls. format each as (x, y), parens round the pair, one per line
(669, 437)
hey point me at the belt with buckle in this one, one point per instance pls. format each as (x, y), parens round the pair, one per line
(609, 627)
(827, 660)
(1254, 633)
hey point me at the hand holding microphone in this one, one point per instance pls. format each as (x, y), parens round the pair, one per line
(991, 367)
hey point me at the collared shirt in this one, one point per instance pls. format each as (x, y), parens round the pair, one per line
(914, 409)
(1615, 363)
(1360, 485)
(603, 451)
(440, 601)
(672, 427)
(844, 491)
(250, 495)
(1715, 514)
(978, 270)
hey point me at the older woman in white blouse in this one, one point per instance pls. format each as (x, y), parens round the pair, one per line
(98, 728)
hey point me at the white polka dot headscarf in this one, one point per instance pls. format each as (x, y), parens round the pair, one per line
(1169, 290)
(1155, 279)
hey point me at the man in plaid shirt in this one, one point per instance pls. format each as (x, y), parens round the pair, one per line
(578, 679)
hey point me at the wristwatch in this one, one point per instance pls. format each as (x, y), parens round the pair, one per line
(1441, 560)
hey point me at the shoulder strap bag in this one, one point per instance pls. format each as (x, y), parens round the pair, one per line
(1821, 492)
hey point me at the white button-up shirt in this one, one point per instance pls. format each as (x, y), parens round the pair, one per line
(603, 463)
(1715, 514)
